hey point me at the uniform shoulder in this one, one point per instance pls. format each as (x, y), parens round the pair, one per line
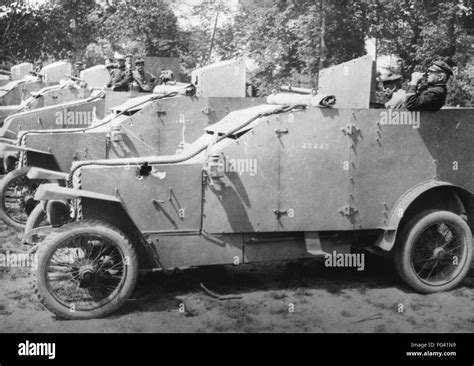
(436, 89)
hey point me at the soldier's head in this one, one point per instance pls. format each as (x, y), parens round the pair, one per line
(79, 65)
(120, 59)
(140, 64)
(391, 83)
(439, 73)
(38, 65)
(129, 59)
(109, 64)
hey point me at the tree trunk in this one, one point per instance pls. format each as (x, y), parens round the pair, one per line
(322, 45)
(213, 37)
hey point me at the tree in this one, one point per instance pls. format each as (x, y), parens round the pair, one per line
(210, 35)
(57, 31)
(291, 42)
(146, 27)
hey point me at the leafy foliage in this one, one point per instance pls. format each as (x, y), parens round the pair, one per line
(289, 41)
(57, 31)
(210, 36)
(146, 27)
(292, 42)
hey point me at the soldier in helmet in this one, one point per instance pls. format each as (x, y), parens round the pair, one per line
(145, 80)
(120, 79)
(429, 96)
(392, 86)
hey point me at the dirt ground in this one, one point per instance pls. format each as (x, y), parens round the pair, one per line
(302, 296)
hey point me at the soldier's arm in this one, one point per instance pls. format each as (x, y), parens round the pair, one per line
(428, 100)
(152, 77)
(124, 80)
(128, 76)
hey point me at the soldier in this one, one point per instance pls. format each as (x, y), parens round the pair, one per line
(129, 60)
(129, 65)
(38, 66)
(37, 70)
(78, 67)
(392, 86)
(429, 96)
(109, 65)
(120, 79)
(145, 80)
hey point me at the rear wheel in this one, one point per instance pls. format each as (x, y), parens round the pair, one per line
(85, 270)
(17, 197)
(435, 251)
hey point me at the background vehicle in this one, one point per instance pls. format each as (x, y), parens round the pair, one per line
(143, 126)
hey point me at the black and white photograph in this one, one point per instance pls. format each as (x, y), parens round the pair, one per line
(237, 167)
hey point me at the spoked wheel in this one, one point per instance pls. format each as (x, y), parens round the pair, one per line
(17, 201)
(435, 252)
(85, 270)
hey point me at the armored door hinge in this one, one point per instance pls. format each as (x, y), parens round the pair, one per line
(350, 130)
(348, 211)
(159, 112)
(279, 213)
(207, 110)
(280, 132)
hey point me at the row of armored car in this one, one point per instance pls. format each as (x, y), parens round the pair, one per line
(168, 180)
(62, 111)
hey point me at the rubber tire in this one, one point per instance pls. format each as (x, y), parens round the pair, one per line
(76, 229)
(410, 233)
(3, 186)
(34, 220)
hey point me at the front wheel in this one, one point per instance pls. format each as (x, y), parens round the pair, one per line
(435, 251)
(17, 197)
(85, 270)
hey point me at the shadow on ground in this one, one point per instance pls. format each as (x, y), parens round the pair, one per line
(163, 291)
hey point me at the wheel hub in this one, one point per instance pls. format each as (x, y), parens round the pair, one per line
(87, 275)
(439, 252)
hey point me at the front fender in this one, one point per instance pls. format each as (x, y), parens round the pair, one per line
(45, 174)
(5, 147)
(47, 192)
(387, 239)
(5, 140)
